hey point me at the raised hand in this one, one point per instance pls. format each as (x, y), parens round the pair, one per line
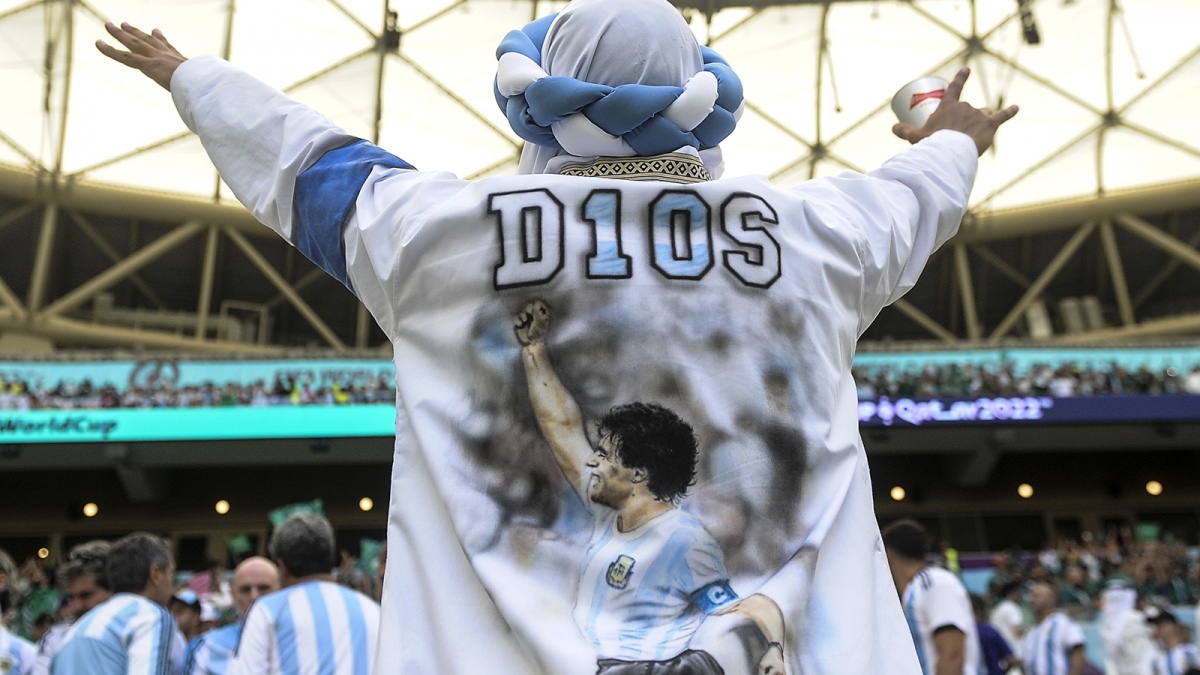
(952, 113)
(532, 323)
(149, 53)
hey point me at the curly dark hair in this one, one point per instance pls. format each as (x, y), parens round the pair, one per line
(650, 437)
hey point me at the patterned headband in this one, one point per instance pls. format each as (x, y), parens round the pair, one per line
(589, 120)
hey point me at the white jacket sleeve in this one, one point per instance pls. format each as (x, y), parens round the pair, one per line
(341, 200)
(898, 214)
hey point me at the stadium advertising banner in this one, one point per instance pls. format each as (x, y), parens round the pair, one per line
(176, 400)
(195, 424)
(183, 400)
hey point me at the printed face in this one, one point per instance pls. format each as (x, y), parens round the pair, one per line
(83, 593)
(251, 581)
(611, 482)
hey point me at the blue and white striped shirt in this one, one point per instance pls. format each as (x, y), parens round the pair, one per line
(311, 628)
(16, 654)
(1048, 645)
(1177, 661)
(643, 593)
(212, 652)
(126, 635)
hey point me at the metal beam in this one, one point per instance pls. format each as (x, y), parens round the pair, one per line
(362, 326)
(142, 257)
(86, 227)
(282, 285)
(966, 290)
(40, 277)
(1117, 272)
(207, 273)
(70, 331)
(313, 275)
(1175, 325)
(1002, 266)
(980, 226)
(925, 321)
(16, 214)
(1182, 252)
(1035, 289)
(1163, 274)
(7, 297)
(124, 202)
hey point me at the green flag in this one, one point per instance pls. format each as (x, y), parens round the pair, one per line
(282, 513)
(238, 544)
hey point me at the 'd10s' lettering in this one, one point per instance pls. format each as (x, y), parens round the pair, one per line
(532, 230)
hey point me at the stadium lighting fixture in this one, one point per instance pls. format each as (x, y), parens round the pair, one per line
(90, 509)
(43, 553)
(1154, 488)
(898, 493)
(222, 507)
(366, 503)
(1025, 490)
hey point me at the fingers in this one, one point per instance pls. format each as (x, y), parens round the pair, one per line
(1005, 115)
(954, 89)
(905, 131)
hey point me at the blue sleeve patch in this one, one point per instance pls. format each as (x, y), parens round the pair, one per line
(714, 596)
(325, 193)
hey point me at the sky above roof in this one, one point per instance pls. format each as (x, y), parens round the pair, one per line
(1108, 99)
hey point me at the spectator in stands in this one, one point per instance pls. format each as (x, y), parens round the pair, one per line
(132, 631)
(1073, 596)
(212, 652)
(85, 584)
(38, 596)
(1007, 616)
(1054, 646)
(303, 548)
(935, 602)
(16, 653)
(1177, 655)
(1191, 384)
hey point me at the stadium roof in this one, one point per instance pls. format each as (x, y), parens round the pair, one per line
(1109, 90)
(1090, 198)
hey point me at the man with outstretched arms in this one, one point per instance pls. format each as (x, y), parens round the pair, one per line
(733, 303)
(652, 571)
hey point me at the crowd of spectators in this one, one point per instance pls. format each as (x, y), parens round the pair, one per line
(1164, 573)
(39, 597)
(1005, 379)
(21, 394)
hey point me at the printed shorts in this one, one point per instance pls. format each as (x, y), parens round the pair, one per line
(690, 662)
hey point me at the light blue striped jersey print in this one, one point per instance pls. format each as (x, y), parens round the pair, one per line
(643, 593)
(1048, 645)
(311, 628)
(126, 635)
(211, 653)
(16, 654)
(1177, 661)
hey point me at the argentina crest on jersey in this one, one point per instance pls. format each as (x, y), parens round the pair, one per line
(619, 572)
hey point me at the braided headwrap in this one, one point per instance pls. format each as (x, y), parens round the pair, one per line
(581, 115)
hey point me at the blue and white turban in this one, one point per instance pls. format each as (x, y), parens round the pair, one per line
(614, 78)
